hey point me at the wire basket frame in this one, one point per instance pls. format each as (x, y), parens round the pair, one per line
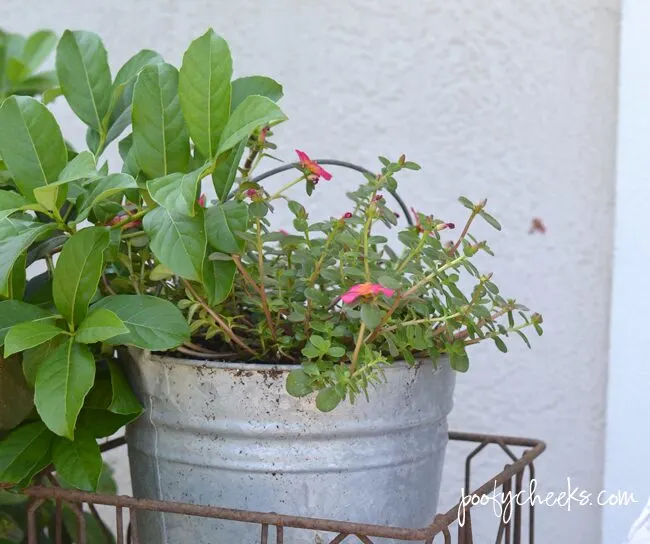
(455, 522)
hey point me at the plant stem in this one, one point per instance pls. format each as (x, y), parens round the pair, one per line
(471, 218)
(262, 289)
(129, 219)
(414, 251)
(284, 188)
(425, 320)
(357, 347)
(218, 320)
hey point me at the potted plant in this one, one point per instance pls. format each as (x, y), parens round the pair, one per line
(250, 349)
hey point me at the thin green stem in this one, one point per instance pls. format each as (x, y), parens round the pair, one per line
(357, 348)
(286, 187)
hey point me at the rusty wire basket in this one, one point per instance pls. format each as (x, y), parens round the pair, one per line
(457, 522)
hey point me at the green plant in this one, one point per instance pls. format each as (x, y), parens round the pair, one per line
(138, 257)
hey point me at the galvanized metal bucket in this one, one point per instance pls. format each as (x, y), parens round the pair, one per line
(228, 434)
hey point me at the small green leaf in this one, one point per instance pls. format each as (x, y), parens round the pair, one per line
(104, 188)
(328, 399)
(222, 222)
(153, 323)
(83, 166)
(177, 192)
(310, 351)
(38, 47)
(466, 202)
(459, 361)
(178, 241)
(319, 343)
(218, 279)
(225, 171)
(371, 315)
(336, 351)
(160, 272)
(254, 85)
(99, 326)
(78, 462)
(124, 401)
(84, 76)
(500, 344)
(204, 90)
(33, 358)
(252, 113)
(62, 383)
(28, 335)
(490, 220)
(298, 383)
(25, 452)
(77, 272)
(160, 137)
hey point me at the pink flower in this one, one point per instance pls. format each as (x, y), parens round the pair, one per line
(347, 215)
(377, 198)
(202, 201)
(365, 290)
(282, 231)
(312, 168)
(251, 193)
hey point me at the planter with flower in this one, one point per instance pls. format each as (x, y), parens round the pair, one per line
(306, 372)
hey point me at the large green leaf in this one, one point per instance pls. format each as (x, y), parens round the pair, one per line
(222, 222)
(123, 401)
(23, 453)
(15, 237)
(82, 166)
(38, 47)
(253, 112)
(84, 76)
(122, 93)
(13, 312)
(77, 272)
(153, 323)
(15, 394)
(102, 189)
(33, 358)
(178, 241)
(10, 200)
(225, 171)
(99, 326)
(204, 90)
(160, 137)
(78, 461)
(62, 383)
(31, 143)
(254, 85)
(28, 335)
(177, 192)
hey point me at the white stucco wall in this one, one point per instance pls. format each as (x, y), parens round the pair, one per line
(510, 99)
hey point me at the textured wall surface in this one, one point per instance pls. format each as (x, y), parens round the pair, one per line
(510, 99)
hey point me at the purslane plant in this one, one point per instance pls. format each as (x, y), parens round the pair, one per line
(140, 258)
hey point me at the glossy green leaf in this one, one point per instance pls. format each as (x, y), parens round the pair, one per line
(222, 222)
(178, 241)
(177, 192)
(226, 170)
(123, 401)
(15, 394)
(490, 220)
(122, 91)
(254, 85)
(15, 237)
(10, 200)
(160, 136)
(62, 383)
(218, 279)
(33, 358)
(100, 325)
(298, 383)
(50, 95)
(77, 272)
(38, 47)
(459, 361)
(78, 461)
(104, 188)
(204, 90)
(28, 335)
(84, 76)
(24, 452)
(153, 323)
(252, 113)
(13, 312)
(31, 143)
(328, 399)
(82, 166)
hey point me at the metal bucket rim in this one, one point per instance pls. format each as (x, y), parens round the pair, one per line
(262, 367)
